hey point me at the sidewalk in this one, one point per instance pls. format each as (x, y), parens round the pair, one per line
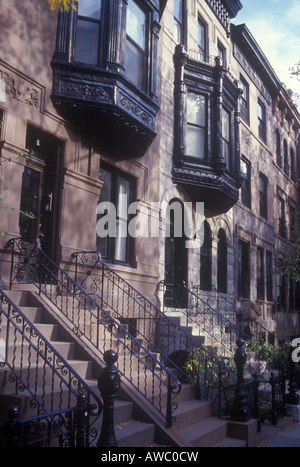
(288, 437)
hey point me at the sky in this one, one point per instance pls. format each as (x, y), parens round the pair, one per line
(275, 25)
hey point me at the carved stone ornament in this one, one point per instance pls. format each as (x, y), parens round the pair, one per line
(20, 89)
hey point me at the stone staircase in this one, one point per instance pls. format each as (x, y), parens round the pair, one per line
(136, 423)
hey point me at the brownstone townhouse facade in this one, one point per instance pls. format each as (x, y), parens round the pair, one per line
(137, 104)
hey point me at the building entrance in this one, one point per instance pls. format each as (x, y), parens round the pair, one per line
(40, 190)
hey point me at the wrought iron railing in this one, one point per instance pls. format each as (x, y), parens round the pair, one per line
(36, 368)
(94, 325)
(223, 323)
(62, 428)
(177, 348)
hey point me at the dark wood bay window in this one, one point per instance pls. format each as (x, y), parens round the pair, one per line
(206, 152)
(105, 71)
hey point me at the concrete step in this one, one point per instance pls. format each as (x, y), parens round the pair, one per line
(134, 433)
(190, 412)
(205, 433)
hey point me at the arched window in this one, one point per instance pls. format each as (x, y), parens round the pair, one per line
(222, 262)
(206, 259)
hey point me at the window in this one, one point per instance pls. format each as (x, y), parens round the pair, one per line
(226, 138)
(135, 45)
(281, 218)
(246, 184)
(206, 259)
(118, 192)
(285, 160)
(292, 221)
(88, 31)
(222, 53)
(222, 262)
(278, 149)
(293, 167)
(244, 100)
(196, 130)
(202, 40)
(260, 274)
(178, 21)
(281, 291)
(263, 196)
(269, 275)
(261, 109)
(244, 269)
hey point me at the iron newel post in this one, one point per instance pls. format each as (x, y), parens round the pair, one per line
(240, 411)
(109, 384)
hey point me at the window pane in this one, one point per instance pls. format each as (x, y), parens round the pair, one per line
(134, 64)
(135, 24)
(177, 31)
(225, 125)
(202, 37)
(105, 195)
(135, 45)
(123, 189)
(87, 39)
(123, 198)
(196, 109)
(177, 22)
(89, 8)
(178, 10)
(195, 142)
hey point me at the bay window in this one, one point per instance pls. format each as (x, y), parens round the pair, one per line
(105, 61)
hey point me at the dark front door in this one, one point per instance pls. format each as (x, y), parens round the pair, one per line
(175, 258)
(39, 195)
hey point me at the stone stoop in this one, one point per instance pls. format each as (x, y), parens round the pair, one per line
(194, 425)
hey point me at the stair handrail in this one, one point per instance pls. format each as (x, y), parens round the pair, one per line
(248, 317)
(243, 333)
(46, 354)
(198, 352)
(42, 265)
